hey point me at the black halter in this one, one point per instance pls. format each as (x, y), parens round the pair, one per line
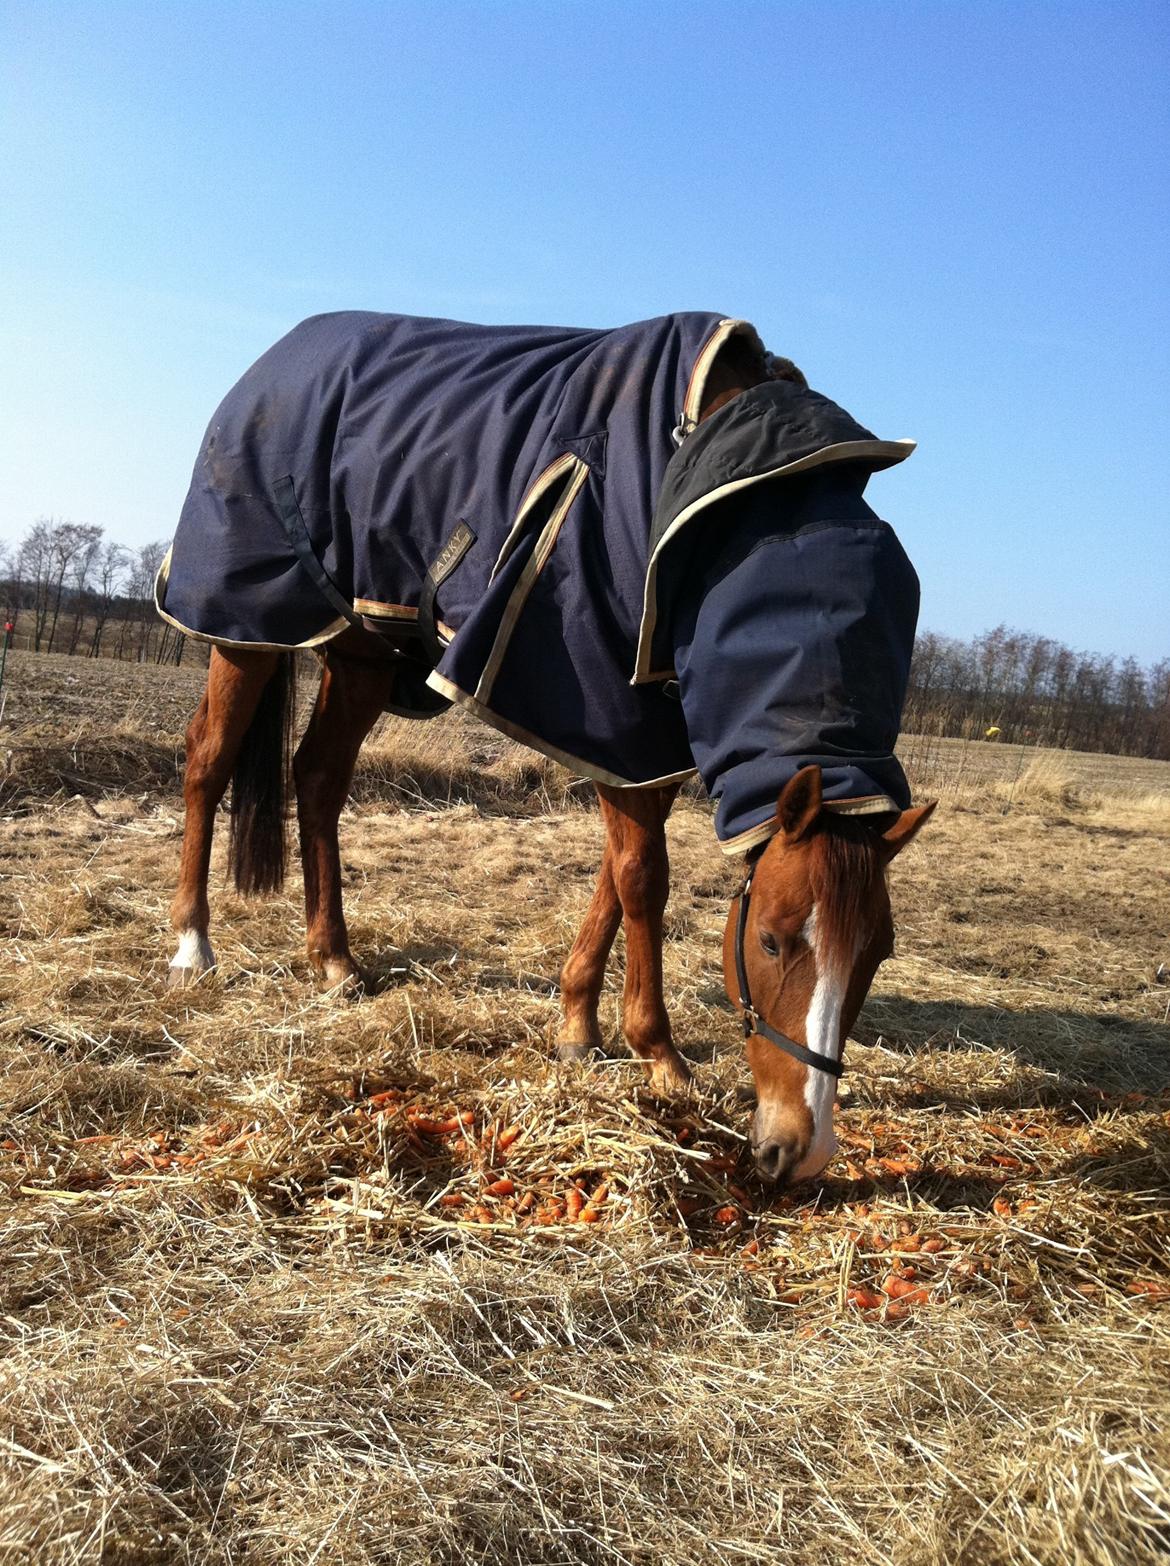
(752, 1021)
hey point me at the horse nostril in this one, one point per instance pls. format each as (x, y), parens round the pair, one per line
(775, 1157)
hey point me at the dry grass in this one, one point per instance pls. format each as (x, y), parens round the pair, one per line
(293, 1280)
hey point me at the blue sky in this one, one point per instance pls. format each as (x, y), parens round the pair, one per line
(953, 217)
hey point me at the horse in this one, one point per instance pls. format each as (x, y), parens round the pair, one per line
(811, 922)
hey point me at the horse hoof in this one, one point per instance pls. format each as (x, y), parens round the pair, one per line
(580, 1053)
(342, 978)
(181, 978)
(669, 1078)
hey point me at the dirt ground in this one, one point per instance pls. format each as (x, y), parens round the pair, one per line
(291, 1279)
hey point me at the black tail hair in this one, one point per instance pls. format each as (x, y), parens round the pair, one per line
(260, 787)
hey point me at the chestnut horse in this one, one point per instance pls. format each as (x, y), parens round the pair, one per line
(799, 961)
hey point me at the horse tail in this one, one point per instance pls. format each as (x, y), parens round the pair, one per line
(260, 787)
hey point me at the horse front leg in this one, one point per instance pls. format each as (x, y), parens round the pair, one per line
(353, 695)
(584, 970)
(635, 821)
(235, 683)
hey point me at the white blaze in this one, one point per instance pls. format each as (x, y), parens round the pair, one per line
(822, 1033)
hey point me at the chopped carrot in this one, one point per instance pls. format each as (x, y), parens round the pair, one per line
(589, 1215)
(574, 1202)
(1153, 1291)
(752, 1248)
(519, 1394)
(429, 1126)
(526, 1202)
(728, 1215)
(504, 1187)
(508, 1136)
(902, 1287)
(1002, 1207)
(726, 1163)
(933, 1246)
(864, 1299)
(600, 1196)
(452, 1199)
(899, 1166)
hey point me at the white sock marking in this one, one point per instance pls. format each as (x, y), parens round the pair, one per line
(194, 952)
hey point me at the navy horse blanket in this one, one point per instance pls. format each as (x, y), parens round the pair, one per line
(612, 583)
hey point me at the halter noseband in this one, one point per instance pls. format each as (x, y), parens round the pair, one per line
(752, 1021)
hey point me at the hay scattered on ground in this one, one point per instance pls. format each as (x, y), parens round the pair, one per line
(289, 1279)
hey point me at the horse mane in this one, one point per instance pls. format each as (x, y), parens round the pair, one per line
(848, 872)
(747, 362)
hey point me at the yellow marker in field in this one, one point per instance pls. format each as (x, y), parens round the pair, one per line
(992, 732)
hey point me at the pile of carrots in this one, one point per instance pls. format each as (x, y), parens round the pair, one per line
(498, 1197)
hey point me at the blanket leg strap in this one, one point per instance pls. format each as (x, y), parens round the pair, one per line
(440, 569)
(289, 511)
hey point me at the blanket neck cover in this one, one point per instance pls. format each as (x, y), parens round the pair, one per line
(608, 559)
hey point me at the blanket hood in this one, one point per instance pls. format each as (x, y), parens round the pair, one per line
(793, 637)
(773, 431)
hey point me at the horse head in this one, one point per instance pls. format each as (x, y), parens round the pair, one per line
(804, 939)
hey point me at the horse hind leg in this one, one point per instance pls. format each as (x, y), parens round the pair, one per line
(236, 680)
(353, 695)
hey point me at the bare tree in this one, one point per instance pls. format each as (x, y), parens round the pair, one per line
(147, 561)
(79, 574)
(69, 543)
(109, 572)
(35, 563)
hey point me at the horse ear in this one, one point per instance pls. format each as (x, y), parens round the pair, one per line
(799, 804)
(906, 828)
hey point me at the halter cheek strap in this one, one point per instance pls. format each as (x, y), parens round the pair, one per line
(753, 1023)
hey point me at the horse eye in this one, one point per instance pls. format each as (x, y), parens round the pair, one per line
(768, 942)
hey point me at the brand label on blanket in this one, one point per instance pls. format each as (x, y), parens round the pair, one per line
(452, 552)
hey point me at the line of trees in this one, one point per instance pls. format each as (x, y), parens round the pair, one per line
(1037, 691)
(67, 588)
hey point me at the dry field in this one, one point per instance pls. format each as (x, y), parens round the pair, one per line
(292, 1280)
